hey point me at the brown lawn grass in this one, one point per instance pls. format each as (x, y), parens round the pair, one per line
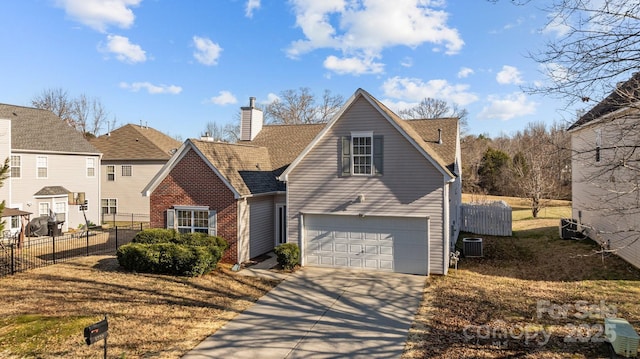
(477, 310)
(43, 312)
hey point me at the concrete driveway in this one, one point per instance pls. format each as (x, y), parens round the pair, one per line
(322, 313)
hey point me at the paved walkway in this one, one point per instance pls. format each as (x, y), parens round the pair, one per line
(322, 313)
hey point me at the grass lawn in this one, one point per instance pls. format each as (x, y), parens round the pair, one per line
(532, 295)
(43, 312)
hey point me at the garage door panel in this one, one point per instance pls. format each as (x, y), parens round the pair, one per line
(377, 243)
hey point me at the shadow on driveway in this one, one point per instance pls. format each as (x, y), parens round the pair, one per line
(323, 313)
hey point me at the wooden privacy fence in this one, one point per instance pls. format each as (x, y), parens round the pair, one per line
(492, 219)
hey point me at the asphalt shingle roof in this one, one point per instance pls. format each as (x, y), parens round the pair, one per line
(52, 191)
(246, 167)
(133, 142)
(617, 99)
(40, 130)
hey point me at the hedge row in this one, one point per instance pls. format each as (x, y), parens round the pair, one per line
(169, 252)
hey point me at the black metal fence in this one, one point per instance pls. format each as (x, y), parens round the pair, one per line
(35, 252)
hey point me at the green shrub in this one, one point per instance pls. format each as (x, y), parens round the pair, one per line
(155, 235)
(202, 239)
(288, 255)
(138, 257)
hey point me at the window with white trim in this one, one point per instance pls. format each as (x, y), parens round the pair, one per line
(126, 170)
(43, 209)
(187, 219)
(362, 154)
(16, 166)
(41, 166)
(91, 167)
(111, 173)
(109, 205)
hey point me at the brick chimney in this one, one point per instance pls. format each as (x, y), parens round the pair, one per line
(250, 121)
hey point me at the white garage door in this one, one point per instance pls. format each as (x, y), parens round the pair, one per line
(394, 244)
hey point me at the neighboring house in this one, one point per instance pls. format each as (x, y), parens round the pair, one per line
(48, 161)
(367, 190)
(131, 156)
(606, 195)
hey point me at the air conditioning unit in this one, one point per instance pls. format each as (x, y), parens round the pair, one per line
(472, 247)
(622, 336)
(569, 229)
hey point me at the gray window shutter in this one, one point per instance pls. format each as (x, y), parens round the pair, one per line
(345, 157)
(378, 151)
(171, 218)
(213, 225)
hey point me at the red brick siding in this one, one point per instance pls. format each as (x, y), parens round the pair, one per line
(192, 183)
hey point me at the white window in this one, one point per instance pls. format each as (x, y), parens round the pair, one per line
(109, 205)
(16, 166)
(43, 209)
(126, 170)
(111, 173)
(362, 155)
(91, 167)
(60, 209)
(192, 219)
(41, 166)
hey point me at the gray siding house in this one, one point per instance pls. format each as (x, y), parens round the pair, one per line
(367, 190)
(605, 192)
(131, 156)
(48, 161)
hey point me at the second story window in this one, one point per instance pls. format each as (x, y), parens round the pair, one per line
(361, 154)
(16, 166)
(41, 166)
(126, 170)
(91, 167)
(111, 173)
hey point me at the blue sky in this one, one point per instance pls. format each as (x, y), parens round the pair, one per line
(176, 65)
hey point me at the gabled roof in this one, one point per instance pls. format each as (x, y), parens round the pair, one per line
(245, 169)
(39, 130)
(52, 191)
(133, 142)
(418, 138)
(618, 99)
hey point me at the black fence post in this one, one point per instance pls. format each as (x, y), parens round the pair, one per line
(131, 219)
(53, 243)
(13, 260)
(116, 238)
(87, 241)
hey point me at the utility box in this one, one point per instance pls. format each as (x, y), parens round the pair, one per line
(472, 247)
(622, 336)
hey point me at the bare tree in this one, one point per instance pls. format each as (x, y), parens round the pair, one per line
(227, 133)
(301, 106)
(430, 108)
(86, 115)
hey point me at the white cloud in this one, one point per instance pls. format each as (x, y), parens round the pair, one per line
(508, 107)
(151, 88)
(557, 25)
(407, 62)
(100, 14)
(364, 28)
(224, 98)
(557, 72)
(124, 50)
(415, 90)
(352, 65)
(207, 52)
(509, 75)
(272, 97)
(465, 72)
(250, 7)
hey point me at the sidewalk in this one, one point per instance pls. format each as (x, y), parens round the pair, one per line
(264, 269)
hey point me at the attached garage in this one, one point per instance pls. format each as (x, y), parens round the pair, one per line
(393, 244)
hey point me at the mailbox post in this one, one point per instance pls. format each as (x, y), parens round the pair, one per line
(97, 331)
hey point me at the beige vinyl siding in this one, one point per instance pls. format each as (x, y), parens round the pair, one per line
(243, 231)
(605, 201)
(410, 186)
(66, 170)
(261, 225)
(128, 189)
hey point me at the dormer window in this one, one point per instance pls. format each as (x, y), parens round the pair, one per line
(361, 154)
